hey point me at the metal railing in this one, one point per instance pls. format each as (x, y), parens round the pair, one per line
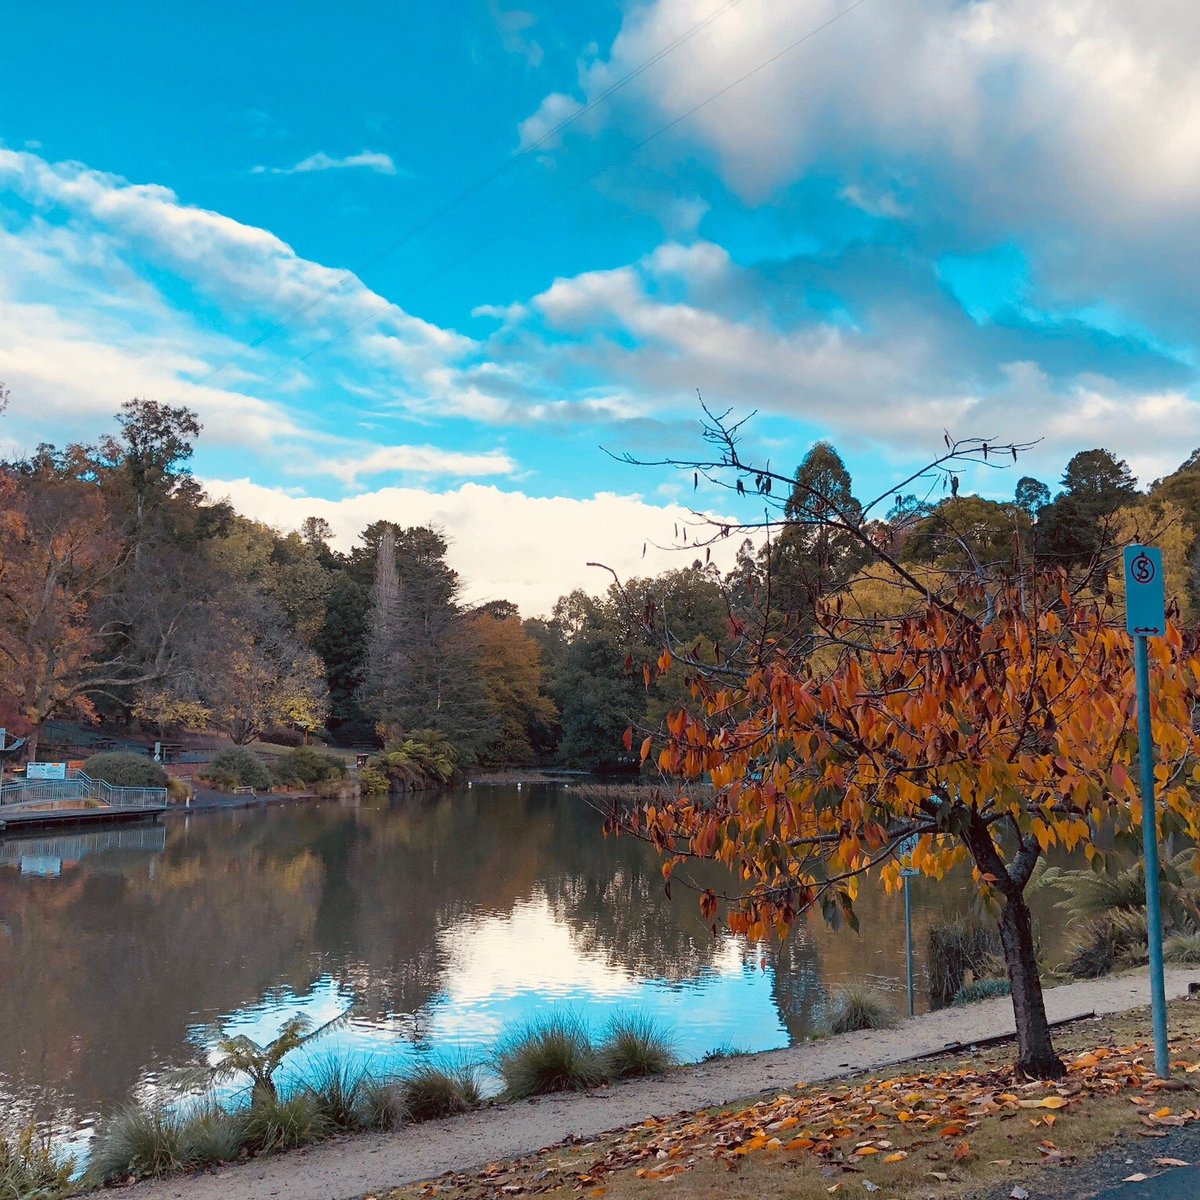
(80, 787)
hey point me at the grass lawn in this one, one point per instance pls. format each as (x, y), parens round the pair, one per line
(941, 1127)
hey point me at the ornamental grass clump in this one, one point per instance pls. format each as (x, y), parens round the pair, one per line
(30, 1169)
(982, 989)
(337, 1092)
(211, 1136)
(285, 1122)
(429, 1092)
(636, 1046)
(137, 1141)
(856, 1006)
(382, 1103)
(555, 1055)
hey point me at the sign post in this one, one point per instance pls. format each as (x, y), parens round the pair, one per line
(1145, 617)
(905, 852)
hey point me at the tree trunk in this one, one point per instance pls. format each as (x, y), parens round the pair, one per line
(1036, 1058)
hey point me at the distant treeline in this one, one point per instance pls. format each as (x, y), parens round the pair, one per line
(126, 592)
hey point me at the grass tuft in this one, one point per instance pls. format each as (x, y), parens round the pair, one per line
(1105, 943)
(430, 1092)
(635, 1046)
(1182, 948)
(278, 1123)
(137, 1141)
(553, 1055)
(723, 1050)
(982, 989)
(856, 1006)
(337, 1092)
(382, 1103)
(30, 1169)
(211, 1136)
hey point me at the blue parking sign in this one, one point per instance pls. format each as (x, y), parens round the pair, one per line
(1145, 593)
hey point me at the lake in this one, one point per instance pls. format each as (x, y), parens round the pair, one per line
(439, 920)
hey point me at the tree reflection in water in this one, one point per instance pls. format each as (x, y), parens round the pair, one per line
(441, 917)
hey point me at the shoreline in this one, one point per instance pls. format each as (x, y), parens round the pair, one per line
(349, 1167)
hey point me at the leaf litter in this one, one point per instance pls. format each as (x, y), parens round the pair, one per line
(848, 1128)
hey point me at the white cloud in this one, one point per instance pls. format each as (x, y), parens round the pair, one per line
(504, 545)
(371, 160)
(411, 460)
(540, 128)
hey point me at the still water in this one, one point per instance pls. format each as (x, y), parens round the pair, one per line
(439, 921)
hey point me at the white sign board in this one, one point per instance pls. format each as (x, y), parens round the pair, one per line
(904, 853)
(1145, 593)
(52, 770)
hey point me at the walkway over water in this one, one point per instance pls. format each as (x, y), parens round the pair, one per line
(79, 799)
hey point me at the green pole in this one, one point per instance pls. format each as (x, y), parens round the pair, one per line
(1158, 990)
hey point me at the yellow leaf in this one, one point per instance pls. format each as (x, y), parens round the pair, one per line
(896, 1156)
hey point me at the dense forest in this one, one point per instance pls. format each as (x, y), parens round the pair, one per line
(127, 593)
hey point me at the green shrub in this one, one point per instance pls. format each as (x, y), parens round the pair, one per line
(30, 1169)
(554, 1055)
(430, 1092)
(982, 989)
(212, 1136)
(283, 1123)
(382, 1104)
(306, 766)
(956, 948)
(855, 1006)
(239, 767)
(635, 1046)
(126, 770)
(137, 1141)
(373, 782)
(337, 1091)
(426, 759)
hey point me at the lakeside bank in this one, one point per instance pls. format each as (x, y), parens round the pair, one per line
(355, 1166)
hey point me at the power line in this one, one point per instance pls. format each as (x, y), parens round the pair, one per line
(541, 208)
(461, 197)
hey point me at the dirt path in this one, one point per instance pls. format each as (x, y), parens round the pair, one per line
(355, 1166)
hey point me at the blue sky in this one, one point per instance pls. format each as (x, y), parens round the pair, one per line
(931, 214)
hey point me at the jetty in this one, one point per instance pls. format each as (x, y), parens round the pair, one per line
(78, 800)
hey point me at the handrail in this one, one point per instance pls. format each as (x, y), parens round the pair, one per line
(81, 786)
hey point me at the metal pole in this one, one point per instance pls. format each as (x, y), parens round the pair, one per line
(1158, 990)
(908, 940)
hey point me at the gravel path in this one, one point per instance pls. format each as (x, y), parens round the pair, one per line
(351, 1167)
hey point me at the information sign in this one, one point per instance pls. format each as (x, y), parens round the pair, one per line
(46, 770)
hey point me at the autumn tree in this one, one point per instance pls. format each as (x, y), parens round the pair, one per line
(510, 674)
(990, 717)
(59, 555)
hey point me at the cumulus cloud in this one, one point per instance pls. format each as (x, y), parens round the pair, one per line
(1072, 124)
(504, 545)
(371, 160)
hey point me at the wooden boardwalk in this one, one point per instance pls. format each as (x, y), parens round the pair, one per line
(17, 819)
